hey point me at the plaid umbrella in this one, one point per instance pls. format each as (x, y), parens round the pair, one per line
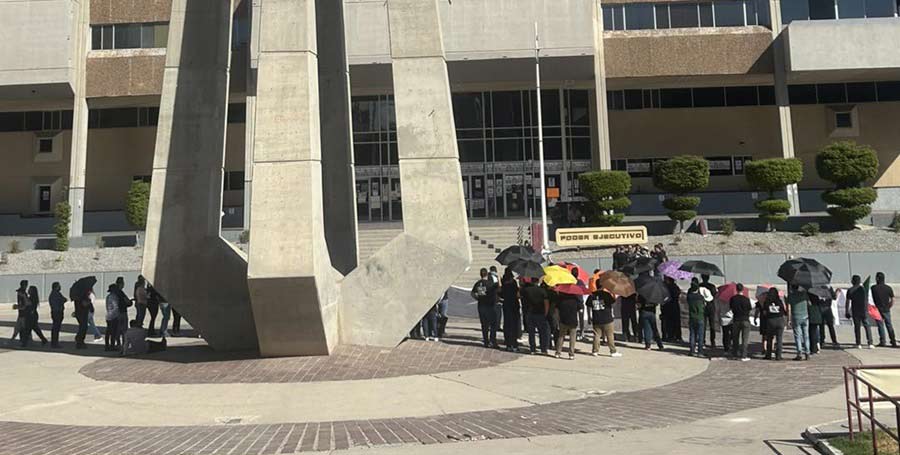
(804, 272)
(672, 270)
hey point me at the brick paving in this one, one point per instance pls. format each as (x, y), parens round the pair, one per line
(201, 365)
(725, 387)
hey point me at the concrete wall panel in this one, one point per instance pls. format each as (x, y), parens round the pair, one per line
(847, 44)
(688, 52)
(753, 268)
(37, 42)
(128, 75)
(130, 11)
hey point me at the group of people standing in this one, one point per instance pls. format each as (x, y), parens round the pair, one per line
(121, 334)
(528, 306)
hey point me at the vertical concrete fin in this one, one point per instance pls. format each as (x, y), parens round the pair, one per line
(185, 258)
(78, 157)
(781, 97)
(293, 285)
(602, 157)
(337, 140)
(387, 293)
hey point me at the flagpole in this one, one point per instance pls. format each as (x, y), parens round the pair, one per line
(545, 247)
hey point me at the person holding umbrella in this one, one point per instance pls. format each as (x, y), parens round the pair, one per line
(651, 293)
(537, 306)
(567, 305)
(79, 294)
(512, 320)
(601, 303)
(696, 316)
(671, 312)
(798, 311)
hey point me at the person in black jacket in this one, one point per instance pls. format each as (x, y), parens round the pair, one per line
(153, 299)
(512, 320)
(858, 310)
(671, 313)
(57, 313)
(740, 309)
(485, 293)
(628, 306)
(711, 313)
(23, 306)
(33, 314)
(601, 304)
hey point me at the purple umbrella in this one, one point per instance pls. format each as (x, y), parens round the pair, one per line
(671, 270)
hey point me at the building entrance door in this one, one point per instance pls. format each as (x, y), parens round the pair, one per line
(477, 193)
(396, 200)
(44, 198)
(514, 191)
(375, 206)
(362, 200)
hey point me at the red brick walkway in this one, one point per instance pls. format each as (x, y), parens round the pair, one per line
(725, 387)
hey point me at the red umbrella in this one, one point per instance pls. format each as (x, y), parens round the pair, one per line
(571, 289)
(582, 273)
(729, 290)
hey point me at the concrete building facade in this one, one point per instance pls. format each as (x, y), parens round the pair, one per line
(626, 83)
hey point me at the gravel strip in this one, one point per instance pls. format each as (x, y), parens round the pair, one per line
(79, 260)
(690, 244)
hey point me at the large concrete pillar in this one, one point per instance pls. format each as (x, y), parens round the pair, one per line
(249, 134)
(185, 258)
(293, 287)
(337, 136)
(78, 158)
(782, 99)
(602, 156)
(389, 292)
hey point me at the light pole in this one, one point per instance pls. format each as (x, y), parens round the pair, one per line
(545, 241)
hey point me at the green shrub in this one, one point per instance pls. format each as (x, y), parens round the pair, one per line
(848, 216)
(728, 227)
(607, 195)
(810, 229)
(244, 237)
(772, 175)
(63, 214)
(136, 205)
(848, 166)
(681, 175)
(773, 206)
(681, 203)
(848, 197)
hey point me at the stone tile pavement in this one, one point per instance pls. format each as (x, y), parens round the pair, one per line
(725, 387)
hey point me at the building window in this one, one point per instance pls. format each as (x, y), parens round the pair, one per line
(649, 16)
(709, 97)
(129, 36)
(45, 145)
(690, 97)
(843, 120)
(831, 93)
(802, 94)
(234, 181)
(861, 92)
(801, 10)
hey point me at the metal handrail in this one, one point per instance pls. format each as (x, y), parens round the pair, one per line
(853, 372)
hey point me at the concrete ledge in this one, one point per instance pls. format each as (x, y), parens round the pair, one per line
(819, 440)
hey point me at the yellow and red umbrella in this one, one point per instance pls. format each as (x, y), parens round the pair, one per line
(555, 275)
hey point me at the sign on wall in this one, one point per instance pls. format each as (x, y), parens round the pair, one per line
(601, 236)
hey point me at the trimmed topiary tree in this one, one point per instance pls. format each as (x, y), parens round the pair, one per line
(773, 175)
(63, 214)
(848, 165)
(681, 175)
(136, 206)
(607, 195)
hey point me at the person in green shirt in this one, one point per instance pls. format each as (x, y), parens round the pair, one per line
(798, 312)
(697, 316)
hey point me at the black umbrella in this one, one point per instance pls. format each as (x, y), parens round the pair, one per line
(82, 287)
(701, 268)
(822, 292)
(527, 269)
(517, 253)
(805, 272)
(640, 265)
(652, 290)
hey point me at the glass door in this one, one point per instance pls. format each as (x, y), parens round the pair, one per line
(478, 194)
(362, 200)
(396, 200)
(375, 212)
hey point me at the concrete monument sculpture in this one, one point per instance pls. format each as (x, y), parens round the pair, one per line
(285, 297)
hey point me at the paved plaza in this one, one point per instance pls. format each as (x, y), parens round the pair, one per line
(421, 397)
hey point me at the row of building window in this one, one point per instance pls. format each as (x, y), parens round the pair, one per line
(657, 16)
(124, 117)
(669, 98)
(718, 165)
(802, 10)
(130, 36)
(851, 92)
(234, 180)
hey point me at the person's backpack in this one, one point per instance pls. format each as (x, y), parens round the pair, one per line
(481, 289)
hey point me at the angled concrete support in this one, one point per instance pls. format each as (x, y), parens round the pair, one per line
(185, 258)
(389, 292)
(293, 287)
(782, 99)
